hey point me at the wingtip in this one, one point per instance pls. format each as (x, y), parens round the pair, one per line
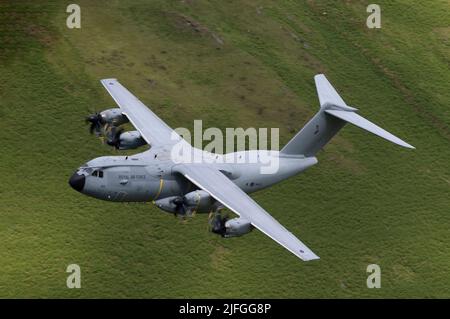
(406, 145)
(310, 258)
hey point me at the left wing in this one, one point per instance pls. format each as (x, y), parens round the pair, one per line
(153, 130)
(225, 191)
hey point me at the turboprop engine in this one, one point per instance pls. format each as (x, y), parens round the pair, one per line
(112, 116)
(200, 200)
(124, 140)
(230, 227)
(197, 201)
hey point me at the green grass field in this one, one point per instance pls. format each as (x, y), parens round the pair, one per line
(231, 64)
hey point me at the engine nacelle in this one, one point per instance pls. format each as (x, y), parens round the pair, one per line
(194, 202)
(130, 140)
(199, 201)
(237, 227)
(113, 117)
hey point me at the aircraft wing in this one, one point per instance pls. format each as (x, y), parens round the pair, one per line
(225, 191)
(153, 130)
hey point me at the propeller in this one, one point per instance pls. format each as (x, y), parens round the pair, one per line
(96, 123)
(113, 136)
(217, 224)
(181, 208)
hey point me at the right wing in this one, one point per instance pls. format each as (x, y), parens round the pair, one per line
(153, 130)
(229, 194)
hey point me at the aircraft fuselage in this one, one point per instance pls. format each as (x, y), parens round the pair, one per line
(148, 176)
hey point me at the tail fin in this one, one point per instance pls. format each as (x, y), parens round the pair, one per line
(334, 113)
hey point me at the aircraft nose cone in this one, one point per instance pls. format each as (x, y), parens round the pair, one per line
(77, 182)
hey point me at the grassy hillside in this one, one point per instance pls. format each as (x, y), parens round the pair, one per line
(232, 64)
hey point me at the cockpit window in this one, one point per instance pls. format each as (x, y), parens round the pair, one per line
(97, 173)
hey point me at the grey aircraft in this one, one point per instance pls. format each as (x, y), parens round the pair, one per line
(183, 187)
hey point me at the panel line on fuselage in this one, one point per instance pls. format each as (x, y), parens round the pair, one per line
(161, 184)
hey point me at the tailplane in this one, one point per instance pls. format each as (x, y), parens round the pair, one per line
(334, 113)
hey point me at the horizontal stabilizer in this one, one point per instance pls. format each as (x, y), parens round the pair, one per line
(355, 119)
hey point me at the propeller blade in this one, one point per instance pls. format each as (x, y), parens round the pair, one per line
(96, 123)
(113, 136)
(181, 208)
(218, 224)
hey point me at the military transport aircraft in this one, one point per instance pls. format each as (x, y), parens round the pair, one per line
(185, 187)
